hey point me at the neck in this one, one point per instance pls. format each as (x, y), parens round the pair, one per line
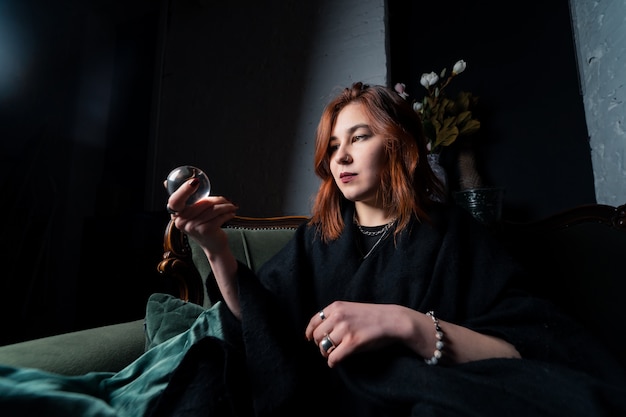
(371, 216)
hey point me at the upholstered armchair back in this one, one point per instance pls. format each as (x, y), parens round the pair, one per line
(253, 241)
(577, 259)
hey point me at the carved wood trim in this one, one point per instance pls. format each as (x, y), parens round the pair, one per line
(177, 265)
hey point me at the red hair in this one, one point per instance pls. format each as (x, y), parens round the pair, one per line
(407, 182)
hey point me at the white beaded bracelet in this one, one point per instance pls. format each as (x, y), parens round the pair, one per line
(439, 345)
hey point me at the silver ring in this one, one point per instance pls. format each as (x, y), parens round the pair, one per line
(170, 211)
(322, 315)
(327, 344)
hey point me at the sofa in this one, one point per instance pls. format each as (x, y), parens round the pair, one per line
(576, 258)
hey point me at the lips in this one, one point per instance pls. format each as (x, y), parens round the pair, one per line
(347, 176)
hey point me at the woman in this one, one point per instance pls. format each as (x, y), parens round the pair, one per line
(386, 302)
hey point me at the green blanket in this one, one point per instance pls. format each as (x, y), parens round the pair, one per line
(130, 392)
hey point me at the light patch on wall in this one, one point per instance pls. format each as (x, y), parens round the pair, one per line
(15, 54)
(614, 103)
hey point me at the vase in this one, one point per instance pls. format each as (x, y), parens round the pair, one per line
(485, 203)
(440, 173)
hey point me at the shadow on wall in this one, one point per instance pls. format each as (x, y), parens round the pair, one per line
(230, 96)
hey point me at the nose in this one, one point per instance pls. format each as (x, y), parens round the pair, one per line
(342, 156)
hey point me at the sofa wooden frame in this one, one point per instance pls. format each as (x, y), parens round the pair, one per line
(177, 265)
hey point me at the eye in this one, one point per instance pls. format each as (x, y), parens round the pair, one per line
(358, 138)
(332, 148)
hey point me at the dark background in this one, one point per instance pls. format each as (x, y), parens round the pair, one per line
(79, 247)
(521, 63)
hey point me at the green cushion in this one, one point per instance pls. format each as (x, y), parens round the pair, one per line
(168, 316)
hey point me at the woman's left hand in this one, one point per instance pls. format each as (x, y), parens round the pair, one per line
(343, 328)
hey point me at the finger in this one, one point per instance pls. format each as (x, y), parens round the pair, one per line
(177, 201)
(224, 213)
(171, 211)
(315, 321)
(337, 351)
(327, 345)
(206, 215)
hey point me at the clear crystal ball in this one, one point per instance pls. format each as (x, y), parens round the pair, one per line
(178, 176)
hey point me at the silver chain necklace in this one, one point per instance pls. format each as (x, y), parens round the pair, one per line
(380, 239)
(376, 232)
(382, 233)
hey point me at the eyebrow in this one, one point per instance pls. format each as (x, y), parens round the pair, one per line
(353, 129)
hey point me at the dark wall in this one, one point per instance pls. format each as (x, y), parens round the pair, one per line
(76, 123)
(75, 99)
(521, 63)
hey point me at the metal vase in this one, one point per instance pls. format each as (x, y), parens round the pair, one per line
(485, 204)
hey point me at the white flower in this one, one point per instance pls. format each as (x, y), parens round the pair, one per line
(401, 90)
(459, 67)
(429, 79)
(444, 119)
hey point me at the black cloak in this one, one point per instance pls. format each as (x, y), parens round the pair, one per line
(452, 265)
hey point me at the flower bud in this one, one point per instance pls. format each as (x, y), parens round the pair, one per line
(401, 90)
(459, 67)
(429, 79)
(418, 106)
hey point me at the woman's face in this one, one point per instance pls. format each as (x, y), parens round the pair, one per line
(356, 156)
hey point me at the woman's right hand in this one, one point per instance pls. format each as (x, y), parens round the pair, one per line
(203, 220)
